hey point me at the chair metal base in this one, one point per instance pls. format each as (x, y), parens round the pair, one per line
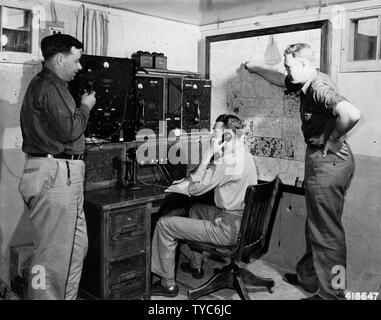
(232, 277)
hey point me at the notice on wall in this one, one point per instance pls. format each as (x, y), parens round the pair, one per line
(273, 126)
(273, 131)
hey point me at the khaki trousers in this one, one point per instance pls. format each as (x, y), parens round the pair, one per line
(205, 224)
(53, 192)
(327, 181)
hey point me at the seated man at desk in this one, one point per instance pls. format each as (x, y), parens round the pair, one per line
(231, 172)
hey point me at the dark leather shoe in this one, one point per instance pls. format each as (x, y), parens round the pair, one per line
(196, 273)
(292, 278)
(314, 297)
(157, 289)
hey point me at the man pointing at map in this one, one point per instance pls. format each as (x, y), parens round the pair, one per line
(329, 167)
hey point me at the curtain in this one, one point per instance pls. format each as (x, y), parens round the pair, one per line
(95, 32)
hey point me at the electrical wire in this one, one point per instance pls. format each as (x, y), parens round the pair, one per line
(168, 175)
(117, 130)
(151, 184)
(156, 173)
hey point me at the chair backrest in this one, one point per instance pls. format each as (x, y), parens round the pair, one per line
(261, 204)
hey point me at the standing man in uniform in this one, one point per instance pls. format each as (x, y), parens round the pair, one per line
(329, 167)
(53, 177)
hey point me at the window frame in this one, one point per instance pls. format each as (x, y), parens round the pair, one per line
(326, 39)
(23, 57)
(347, 44)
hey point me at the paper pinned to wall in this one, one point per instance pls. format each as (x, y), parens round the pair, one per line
(273, 133)
(272, 54)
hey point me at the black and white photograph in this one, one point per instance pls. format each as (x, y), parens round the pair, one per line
(190, 154)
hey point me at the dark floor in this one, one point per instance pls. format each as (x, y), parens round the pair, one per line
(282, 290)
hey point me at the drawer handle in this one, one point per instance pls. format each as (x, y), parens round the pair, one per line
(127, 276)
(129, 230)
(119, 284)
(123, 278)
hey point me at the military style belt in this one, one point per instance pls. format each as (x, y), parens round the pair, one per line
(57, 156)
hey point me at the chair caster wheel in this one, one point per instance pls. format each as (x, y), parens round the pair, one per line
(271, 290)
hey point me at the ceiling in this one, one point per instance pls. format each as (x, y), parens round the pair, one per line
(203, 12)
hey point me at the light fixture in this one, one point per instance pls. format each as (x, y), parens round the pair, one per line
(272, 55)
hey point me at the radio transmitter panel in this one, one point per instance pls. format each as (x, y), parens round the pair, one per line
(113, 80)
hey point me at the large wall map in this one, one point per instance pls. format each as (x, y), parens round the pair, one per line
(273, 132)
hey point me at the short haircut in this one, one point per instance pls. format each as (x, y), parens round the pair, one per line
(302, 50)
(231, 122)
(221, 118)
(58, 43)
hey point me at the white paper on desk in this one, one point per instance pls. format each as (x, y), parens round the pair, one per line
(179, 187)
(178, 181)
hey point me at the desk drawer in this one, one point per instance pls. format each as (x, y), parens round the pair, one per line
(127, 277)
(127, 231)
(129, 289)
(132, 242)
(126, 220)
(125, 269)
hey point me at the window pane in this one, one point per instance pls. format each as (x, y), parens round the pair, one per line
(16, 30)
(365, 39)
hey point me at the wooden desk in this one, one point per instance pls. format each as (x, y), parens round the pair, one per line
(118, 262)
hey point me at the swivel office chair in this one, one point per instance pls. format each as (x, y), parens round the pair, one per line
(261, 203)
